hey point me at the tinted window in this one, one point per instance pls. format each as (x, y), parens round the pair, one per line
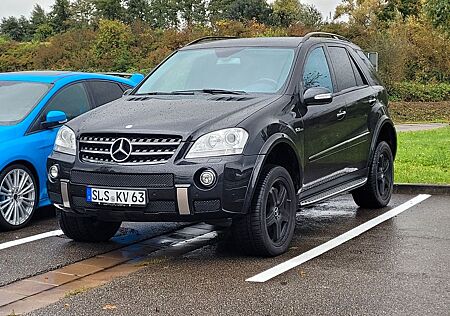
(72, 100)
(17, 99)
(316, 72)
(343, 68)
(105, 92)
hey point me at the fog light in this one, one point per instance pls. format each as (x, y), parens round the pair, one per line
(208, 178)
(53, 172)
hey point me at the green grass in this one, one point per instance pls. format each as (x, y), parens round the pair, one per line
(423, 157)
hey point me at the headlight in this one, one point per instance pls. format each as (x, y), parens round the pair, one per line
(65, 141)
(230, 141)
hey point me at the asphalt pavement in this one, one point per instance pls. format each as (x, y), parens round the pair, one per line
(400, 267)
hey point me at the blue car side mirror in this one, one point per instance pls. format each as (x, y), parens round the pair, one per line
(54, 118)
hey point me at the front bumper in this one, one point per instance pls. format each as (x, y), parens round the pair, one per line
(172, 191)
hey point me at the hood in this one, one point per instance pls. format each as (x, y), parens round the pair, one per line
(189, 117)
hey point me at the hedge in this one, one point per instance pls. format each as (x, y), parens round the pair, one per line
(418, 92)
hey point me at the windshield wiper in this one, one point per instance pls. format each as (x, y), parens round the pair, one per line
(167, 93)
(212, 91)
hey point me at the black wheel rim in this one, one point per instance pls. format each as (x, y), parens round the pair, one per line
(384, 175)
(278, 212)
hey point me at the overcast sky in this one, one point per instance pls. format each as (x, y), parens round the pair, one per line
(24, 7)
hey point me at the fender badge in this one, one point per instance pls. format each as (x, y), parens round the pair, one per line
(129, 126)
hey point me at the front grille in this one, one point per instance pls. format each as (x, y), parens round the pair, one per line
(163, 180)
(145, 149)
(151, 207)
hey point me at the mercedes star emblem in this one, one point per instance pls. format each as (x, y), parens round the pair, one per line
(121, 150)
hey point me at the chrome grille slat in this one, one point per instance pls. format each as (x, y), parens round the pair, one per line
(146, 149)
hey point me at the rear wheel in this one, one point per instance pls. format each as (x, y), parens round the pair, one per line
(377, 192)
(268, 227)
(87, 229)
(18, 197)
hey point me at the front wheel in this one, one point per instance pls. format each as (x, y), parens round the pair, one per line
(87, 229)
(18, 197)
(268, 228)
(377, 192)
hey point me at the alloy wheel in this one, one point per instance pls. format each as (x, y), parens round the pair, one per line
(384, 175)
(17, 197)
(278, 212)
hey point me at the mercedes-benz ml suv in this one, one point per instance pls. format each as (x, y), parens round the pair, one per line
(244, 129)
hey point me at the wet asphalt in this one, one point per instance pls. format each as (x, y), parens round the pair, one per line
(401, 267)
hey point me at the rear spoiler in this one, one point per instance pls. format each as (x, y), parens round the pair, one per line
(136, 78)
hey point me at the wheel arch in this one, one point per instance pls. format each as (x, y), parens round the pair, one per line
(385, 131)
(29, 165)
(281, 150)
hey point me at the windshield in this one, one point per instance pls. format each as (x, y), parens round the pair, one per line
(18, 98)
(242, 69)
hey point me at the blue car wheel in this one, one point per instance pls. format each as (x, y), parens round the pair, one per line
(18, 197)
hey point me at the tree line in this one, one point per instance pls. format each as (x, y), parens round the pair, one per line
(162, 14)
(411, 36)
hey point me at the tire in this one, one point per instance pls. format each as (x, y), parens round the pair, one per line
(19, 197)
(87, 229)
(377, 192)
(267, 229)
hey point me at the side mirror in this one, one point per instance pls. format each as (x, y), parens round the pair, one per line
(317, 96)
(127, 92)
(54, 118)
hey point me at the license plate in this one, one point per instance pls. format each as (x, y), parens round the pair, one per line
(116, 197)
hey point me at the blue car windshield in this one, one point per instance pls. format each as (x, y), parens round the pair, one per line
(244, 69)
(18, 98)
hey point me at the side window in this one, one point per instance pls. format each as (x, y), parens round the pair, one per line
(105, 91)
(343, 68)
(316, 72)
(72, 100)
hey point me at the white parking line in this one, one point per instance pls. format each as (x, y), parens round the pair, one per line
(317, 251)
(22, 241)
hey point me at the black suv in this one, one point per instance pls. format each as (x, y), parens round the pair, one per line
(242, 129)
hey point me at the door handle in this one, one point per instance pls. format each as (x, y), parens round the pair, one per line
(341, 114)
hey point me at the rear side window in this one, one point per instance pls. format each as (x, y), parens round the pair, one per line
(343, 68)
(104, 91)
(316, 72)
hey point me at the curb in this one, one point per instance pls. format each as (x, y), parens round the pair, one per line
(403, 188)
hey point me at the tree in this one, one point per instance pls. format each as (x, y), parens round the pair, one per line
(309, 16)
(15, 29)
(38, 17)
(83, 12)
(360, 12)
(112, 46)
(110, 9)
(60, 15)
(438, 12)
(163, 13)
(286, 12)
(246, 10)
(192, 11)
(217, 9)
(137, 10)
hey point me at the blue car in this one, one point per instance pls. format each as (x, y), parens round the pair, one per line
(32, 107)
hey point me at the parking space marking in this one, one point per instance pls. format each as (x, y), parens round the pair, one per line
(317, 251)
(25, 240)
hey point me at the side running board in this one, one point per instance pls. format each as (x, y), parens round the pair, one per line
(343, 188)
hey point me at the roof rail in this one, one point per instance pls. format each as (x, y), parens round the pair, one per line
(324, 34)
(209, 38)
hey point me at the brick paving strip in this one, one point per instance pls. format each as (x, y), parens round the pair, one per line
(44, 289)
